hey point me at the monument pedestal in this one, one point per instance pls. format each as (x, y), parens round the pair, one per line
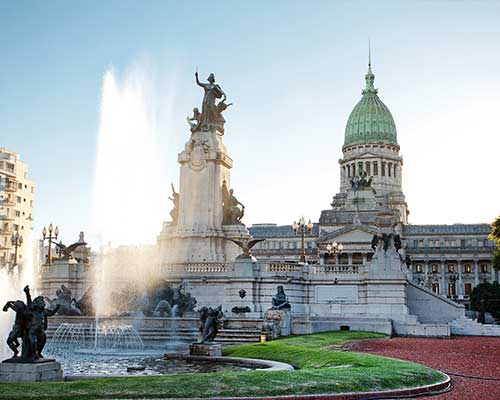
(283, 317)
(30, 372)
(205, 349)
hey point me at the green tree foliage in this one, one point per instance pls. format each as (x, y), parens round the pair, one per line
(495, 236)
(490, 293)
(495, 231)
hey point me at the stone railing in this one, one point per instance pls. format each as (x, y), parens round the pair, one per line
(283, 267)
(336, 269)
(196, 268)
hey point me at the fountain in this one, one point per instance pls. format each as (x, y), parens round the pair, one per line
(97, 339)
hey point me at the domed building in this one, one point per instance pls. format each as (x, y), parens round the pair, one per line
(447, 259)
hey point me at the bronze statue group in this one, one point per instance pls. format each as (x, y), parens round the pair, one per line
(29, 326)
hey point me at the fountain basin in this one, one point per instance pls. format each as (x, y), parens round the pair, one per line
(81, 366)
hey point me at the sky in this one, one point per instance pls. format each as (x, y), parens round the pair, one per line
(294, 71)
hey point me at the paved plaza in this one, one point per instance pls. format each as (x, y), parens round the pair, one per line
(467, 356)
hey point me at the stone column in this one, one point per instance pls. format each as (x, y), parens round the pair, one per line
(337, 259)
(426, 273)
(476, 273)
(493, 277)
(460, 288)
(443, 289)
(322, 259)
(349, 256)
(365, 260)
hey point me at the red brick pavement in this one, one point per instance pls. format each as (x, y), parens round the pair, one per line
(473, 356)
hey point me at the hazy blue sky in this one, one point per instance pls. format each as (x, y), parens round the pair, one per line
(294, 71)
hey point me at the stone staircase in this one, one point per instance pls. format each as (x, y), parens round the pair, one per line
(468, 327)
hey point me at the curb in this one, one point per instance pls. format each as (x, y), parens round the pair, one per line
(410, 392)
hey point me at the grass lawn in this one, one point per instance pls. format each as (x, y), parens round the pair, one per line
(320, 369)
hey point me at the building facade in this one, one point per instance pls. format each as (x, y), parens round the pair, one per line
(17, 193)
(448, 259)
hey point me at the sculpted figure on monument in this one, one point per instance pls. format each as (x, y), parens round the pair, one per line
(174, 213)
(66, 302)
(211, 113)
(280, 301)
(246, 247)
(30, 325)
(65, 251)
(232, 213)
(209, 323)
(196, 117)
(361, 181)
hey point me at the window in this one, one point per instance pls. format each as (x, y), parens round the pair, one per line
(467, 288)
(395, 167)
(18, 213)
(436, 243)
(452, 289)
(467, 268)
(389, 167)
(20, 185)
(368, 168)
(451, 268)
(348, 171)
(484, 268)
(383, 169)
(18, 199)
(420, 243)
(375, 168)
(418, 268)
(435, 268)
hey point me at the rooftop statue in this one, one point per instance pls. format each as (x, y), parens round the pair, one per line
(232, 213)
(361, 182)
(29, 326)
(211, 113)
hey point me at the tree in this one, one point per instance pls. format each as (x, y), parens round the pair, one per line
(489, 293)
(495, 236)
(495, 231)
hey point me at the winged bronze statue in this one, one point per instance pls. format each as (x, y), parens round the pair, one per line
(246, 246)
(67, 250)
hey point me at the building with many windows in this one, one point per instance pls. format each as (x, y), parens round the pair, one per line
(448, 259)
(17, 193)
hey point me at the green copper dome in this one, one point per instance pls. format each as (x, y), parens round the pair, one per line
(370, 120)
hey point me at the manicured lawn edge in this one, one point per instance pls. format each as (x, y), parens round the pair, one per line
(320, 371)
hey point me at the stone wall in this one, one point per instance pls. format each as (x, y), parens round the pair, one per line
(430, 307)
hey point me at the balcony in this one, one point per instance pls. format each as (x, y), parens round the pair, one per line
(5, 232)
(9, 201)
(4, 246)
(10, 186)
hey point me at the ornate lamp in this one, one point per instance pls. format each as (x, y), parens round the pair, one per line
(52, 235)
(301, 227)
(16, 240)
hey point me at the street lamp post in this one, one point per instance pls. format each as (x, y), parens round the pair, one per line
(16, 240)
(50, 237)
(334, 248)
(301, 227)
